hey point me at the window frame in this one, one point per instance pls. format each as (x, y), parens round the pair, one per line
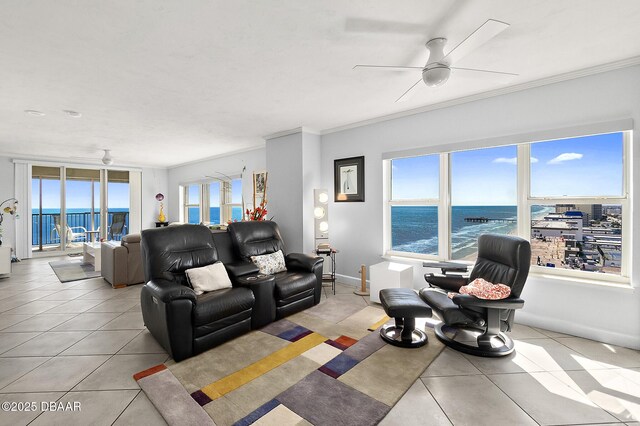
(623, 200)
(524, 202)
(440, 202)
(226, 204)
(186, 205)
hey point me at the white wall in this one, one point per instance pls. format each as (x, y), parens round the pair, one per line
(311, 179)
(284, 191)
(610, 314)
(154, 181)
(7, 190)
(230, 165)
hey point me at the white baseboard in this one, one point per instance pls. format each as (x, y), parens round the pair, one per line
(346, 279)
(578, 329)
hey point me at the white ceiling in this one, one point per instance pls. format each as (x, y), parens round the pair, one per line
(166, 82)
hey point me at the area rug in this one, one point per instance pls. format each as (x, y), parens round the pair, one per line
(299, 370)
(73, 270)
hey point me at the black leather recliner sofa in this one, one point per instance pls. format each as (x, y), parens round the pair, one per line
(186, 324)
(300, 287)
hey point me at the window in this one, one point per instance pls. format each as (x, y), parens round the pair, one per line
(213, 202)
(483, 197)
(233, 199)
(578, 203)
(568, 196)
(192, 204)
(414, 204)
(215, 215)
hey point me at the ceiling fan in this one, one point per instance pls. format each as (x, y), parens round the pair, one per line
(438, 68)
(106, 159)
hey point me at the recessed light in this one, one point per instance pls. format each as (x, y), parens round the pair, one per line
(34, 112)
(74, 114)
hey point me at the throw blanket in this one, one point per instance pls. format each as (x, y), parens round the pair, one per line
(483, 289)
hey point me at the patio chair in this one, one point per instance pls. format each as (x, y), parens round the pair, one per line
(118, 225)
(74, 234)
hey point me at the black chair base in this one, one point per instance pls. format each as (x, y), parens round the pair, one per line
(484, 348)
(403, 337)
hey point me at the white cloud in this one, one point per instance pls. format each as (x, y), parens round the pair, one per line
(567, 156)
(513, 160)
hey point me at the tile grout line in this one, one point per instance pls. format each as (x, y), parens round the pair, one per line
(125, 408)
(512, 400)
(433, 396)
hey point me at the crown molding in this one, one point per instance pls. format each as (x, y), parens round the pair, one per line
(598, 69)
(214, 157)
(292, 132)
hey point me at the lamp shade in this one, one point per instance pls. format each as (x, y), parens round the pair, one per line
(323, 197)
(318, 212)
(323, 226)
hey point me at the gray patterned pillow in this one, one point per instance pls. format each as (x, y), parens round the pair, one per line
(270, 263)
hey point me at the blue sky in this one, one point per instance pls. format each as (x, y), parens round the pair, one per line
(584, 166)
(78, 194)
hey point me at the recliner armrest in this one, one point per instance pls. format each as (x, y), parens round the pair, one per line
(466, 300)
(167, 291)
(302, 262)
(239, 269)
(446, 282)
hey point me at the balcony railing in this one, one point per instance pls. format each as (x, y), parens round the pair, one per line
(47, 235)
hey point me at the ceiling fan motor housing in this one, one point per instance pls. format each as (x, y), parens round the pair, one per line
(436, 72)
(436, 75)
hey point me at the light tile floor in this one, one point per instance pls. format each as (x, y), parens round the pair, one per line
(82, 341)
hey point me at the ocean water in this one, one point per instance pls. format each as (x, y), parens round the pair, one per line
(415, 228)
(214, 214)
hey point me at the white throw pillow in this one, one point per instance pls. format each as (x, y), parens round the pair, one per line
(270, 264)
(208, 278)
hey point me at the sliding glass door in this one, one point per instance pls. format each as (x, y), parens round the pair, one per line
(118, 202)
(71, 205)
(46, 207)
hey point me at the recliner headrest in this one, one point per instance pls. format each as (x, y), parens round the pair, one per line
(168, 252)
(503, 259)
(255, 238)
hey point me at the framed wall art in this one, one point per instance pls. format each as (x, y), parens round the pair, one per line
(259, 187)
(348, 179)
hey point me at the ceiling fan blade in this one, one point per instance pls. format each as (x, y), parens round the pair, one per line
(410, 92)
(486, 71)
(388, 67)
(486, 32)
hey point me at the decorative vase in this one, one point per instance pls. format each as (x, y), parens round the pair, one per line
(161, 216)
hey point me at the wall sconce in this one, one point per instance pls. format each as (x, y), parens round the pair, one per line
(321, 215)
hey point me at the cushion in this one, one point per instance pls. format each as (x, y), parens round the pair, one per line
(294, 285)
(483, 289)
(270, 264)
(208, 278)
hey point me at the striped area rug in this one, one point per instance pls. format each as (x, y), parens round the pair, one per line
(315, 367)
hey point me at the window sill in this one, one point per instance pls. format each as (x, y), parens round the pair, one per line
(614, 282)
(622, 283)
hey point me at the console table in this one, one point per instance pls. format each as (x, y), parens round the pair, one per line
(330, 277)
